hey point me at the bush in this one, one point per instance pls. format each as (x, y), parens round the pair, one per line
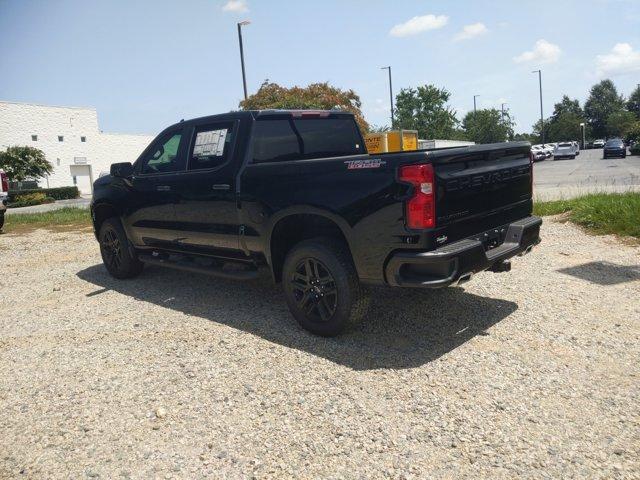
(29, 199)
(635, 149)
(60, 193)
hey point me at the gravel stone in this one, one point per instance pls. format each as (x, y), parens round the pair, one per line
(533, 373)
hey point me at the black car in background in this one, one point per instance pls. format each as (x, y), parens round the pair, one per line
(614, 148)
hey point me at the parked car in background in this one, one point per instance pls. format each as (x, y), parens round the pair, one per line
(614, 148)
(547, 151)
(598, 143)
(4, 193)
(577, 145)
(564, 150)
(538, 154)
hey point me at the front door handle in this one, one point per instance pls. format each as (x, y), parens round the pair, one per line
(221, 186)
(163, 188)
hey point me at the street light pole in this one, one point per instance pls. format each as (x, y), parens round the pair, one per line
(390, 92)
(539, 72)
(244, 76)
(502, 108)
(583, 128)
(474, 103)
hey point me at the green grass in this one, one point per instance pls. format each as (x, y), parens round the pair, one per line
(68, 218)
(601, 213)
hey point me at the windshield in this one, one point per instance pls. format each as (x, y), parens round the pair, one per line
(614, 143)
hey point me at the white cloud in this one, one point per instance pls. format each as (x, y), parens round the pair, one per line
(419, 24)
(543, 52)
(236, 6)
(622, 59)
(471, 31)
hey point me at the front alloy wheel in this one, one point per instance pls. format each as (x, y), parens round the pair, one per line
(118, 257)
(111, 249)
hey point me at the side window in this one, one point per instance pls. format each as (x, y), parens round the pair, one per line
(211, 146)
(164, 155)
(275, 141)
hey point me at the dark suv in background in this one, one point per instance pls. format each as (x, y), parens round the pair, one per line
(614, 148)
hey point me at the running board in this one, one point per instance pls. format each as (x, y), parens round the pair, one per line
(189, 266)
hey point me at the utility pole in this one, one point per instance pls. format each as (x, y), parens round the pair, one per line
(244, 76)
(502, 109)
(539, 72)
(474, 103)
(390, 92)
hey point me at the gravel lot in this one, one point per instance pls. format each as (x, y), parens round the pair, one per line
(532, 373)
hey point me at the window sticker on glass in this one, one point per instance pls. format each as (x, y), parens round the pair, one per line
(210, 143)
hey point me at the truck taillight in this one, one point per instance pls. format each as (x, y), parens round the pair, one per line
(5, 182)
(421, 207)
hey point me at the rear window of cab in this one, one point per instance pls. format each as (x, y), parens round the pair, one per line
(278, 138)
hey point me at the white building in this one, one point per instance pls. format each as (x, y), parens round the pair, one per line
(70, 139)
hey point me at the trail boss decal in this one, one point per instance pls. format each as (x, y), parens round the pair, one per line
(358, 164)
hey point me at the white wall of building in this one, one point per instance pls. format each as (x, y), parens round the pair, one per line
(19, 121)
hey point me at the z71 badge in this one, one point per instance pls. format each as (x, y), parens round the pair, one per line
(369, 163)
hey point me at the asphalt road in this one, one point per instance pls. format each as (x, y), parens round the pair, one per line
(589, 172)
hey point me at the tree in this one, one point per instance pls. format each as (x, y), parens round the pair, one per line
(633, 104)
(424, 109)
(525, 137)
(565, 126)
(537, 130)
(602, 102)
(619, 123)
(488, 126)
(565, 122)
(566, 105)
(315, 96)
(633, 134)
(23, 163)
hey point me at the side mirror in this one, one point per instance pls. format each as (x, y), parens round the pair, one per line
(121, 170)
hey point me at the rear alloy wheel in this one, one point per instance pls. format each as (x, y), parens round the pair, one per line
(314, 289)
(322, 288)
(1, 220)
(116, 252)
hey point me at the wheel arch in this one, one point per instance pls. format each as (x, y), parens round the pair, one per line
(100, 212)
(296, 224)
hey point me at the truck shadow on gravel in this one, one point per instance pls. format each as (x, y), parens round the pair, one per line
(604, 273)
(402, 328)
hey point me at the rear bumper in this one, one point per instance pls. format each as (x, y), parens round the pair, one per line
(452, 263)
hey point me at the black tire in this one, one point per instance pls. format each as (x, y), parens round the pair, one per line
(1, 220)
(117, 255)
(322, 288)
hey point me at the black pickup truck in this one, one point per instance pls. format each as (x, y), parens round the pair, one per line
(296, 192)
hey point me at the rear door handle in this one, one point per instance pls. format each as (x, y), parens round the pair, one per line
(221, 186)
(163, 188)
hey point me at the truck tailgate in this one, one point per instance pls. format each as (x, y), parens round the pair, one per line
(481, 181)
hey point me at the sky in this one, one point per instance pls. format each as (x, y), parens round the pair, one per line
(145, 64)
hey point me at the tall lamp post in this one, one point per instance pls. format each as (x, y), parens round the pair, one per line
(474, 103)
(502, 108)
(390, 92)
(582, 128)
(244, 76)
(539, 72)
